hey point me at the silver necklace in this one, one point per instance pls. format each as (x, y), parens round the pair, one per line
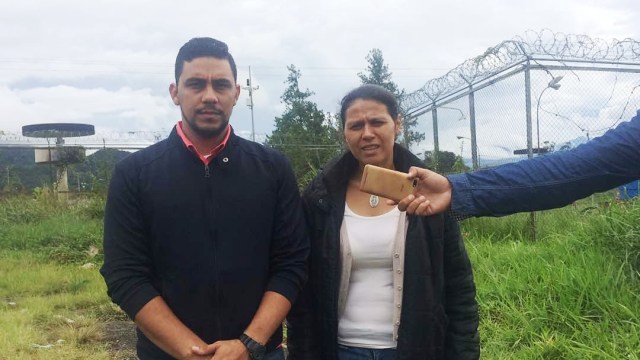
(374, 200)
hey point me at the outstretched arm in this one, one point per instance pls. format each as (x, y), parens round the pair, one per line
(541, 183)
(432, 194)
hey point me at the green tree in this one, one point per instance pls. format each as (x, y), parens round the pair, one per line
(377, 72)
(447, 162)
(305, 134)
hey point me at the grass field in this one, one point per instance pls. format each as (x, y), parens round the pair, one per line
(571, 294)
(53, 300)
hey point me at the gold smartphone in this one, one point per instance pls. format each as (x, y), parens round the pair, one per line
(391, 184)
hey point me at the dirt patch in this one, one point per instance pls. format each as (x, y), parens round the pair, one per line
(120, 336)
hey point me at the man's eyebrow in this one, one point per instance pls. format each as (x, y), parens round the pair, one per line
(222, 81)
(218, 81)
(194, 80)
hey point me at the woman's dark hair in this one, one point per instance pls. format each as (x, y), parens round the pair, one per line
(204, 47)
(370, 92)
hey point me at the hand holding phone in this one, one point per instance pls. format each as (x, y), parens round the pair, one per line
(391, 184)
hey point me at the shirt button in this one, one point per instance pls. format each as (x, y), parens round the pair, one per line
(225, 159)
(399, 288)
(398, 306)
(397, 323)
(396, 255)
(399, 271)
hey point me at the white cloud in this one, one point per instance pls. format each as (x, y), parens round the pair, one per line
(109, 62)
(125, 109)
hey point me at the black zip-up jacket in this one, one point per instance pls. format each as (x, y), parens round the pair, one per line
(439, 318)
(209, 239)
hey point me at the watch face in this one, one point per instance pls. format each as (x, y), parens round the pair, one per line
(258, 354)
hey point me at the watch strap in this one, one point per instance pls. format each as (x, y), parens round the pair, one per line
(256, 350)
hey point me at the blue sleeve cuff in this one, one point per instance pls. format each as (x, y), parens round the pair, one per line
(462, 206)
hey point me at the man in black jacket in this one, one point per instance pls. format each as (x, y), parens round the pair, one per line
(204, 236)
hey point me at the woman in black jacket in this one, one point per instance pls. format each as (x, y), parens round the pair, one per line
(382, 284)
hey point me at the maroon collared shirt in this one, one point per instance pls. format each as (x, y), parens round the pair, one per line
(206, 158)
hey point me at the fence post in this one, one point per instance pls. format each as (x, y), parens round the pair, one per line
(472, 124)
(527, 88)
(436, 143)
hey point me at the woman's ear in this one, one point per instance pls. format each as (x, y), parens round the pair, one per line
(398, 125)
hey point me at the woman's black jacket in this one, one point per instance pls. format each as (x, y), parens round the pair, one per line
(439, 318)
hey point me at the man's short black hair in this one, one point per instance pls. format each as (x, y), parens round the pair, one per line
(204, 47)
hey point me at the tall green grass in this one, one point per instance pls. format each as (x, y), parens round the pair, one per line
(572, 294)
(63, 231)
(53, 302)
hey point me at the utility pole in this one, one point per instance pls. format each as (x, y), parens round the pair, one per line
(251, 88)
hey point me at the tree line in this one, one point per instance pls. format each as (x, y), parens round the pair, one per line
(308, 136)
(19, 172)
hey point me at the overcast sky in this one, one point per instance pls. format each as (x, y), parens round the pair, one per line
(109, 63)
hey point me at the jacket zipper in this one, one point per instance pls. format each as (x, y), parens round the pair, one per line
(218, 295)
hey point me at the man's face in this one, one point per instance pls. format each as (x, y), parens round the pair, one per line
(206, 93)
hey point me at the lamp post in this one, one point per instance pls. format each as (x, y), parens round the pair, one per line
(475, 154)
(251, 88)
(462, 115)
(555, 85)
(461, 144)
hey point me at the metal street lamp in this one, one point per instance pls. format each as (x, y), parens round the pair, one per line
(555, 85)
(475, 159)
(461, 145)
(462, 115)
(251, 89)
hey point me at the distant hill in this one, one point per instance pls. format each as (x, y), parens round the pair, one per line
(94, 173)
(19, 172)
(489, 163)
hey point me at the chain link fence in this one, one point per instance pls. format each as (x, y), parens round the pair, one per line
(527, 97)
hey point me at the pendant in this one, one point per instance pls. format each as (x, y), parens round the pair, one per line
(374, 200)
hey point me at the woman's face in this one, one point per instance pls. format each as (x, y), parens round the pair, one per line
(370, 132)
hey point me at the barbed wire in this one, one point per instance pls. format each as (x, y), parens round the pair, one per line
(533, 46)
(109, 136)
(136, 139)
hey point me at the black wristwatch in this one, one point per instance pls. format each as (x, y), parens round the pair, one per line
(256, 350)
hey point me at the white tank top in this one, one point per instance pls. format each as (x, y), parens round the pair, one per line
(367, 320)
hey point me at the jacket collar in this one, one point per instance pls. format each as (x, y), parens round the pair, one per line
(334, 178)
(174, 138)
